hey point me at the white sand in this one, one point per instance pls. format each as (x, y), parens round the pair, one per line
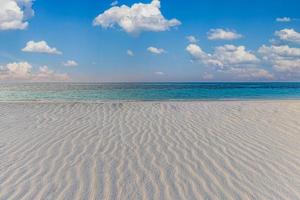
(150, 150)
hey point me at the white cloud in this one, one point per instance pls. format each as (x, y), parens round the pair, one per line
(289, 35)
(250, 73)
(70, 63)
(230, 59)
(114, 3)
(136, 19)
(159, 73)
(19, 70)
(283, 19)
(282, 51)
(155, 50)
(221, 34)
(22, 71)
(40, 47)
(240, 63)
(192, 39)
(14, 13)
(45, 74)
(234, 55)
(129, 52)
(282, 58)
(198, 54)
(287, 65)
(224, 56)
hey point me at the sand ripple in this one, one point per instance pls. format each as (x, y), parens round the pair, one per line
(150, 150)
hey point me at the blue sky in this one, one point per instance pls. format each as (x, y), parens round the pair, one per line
(95, 41)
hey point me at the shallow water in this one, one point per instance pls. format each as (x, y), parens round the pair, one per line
(147, 91)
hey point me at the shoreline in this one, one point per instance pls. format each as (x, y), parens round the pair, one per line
(151, 101)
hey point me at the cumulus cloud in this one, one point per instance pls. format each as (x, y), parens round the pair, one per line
(40, 47)
(19, 70)
(70, 63)
(136, 19)
(192, 39)
(283, 19)
(224, 56)
(23, 71)
(14, 13)
(221, 34)
(283, 58)
(234, 55)
(198, 54)
(230, 59)
(289, 35)
(155, 50)
(129, 52)
(282, 51)
(236, 61)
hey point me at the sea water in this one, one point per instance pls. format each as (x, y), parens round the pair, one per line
(147, 91)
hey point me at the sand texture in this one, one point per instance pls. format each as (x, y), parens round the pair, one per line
(150, 150)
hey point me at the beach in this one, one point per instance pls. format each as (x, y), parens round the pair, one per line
(150, 150)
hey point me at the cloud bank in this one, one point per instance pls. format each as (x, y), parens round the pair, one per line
(230, 59)
(282, 58)
(226, 56)
(23, 71)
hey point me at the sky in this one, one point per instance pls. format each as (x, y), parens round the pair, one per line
(149, 40)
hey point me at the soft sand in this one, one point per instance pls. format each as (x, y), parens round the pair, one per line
(150, 150)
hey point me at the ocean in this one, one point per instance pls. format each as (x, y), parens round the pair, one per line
(147, 91)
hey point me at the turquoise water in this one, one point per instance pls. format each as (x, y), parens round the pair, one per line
(147, 91)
